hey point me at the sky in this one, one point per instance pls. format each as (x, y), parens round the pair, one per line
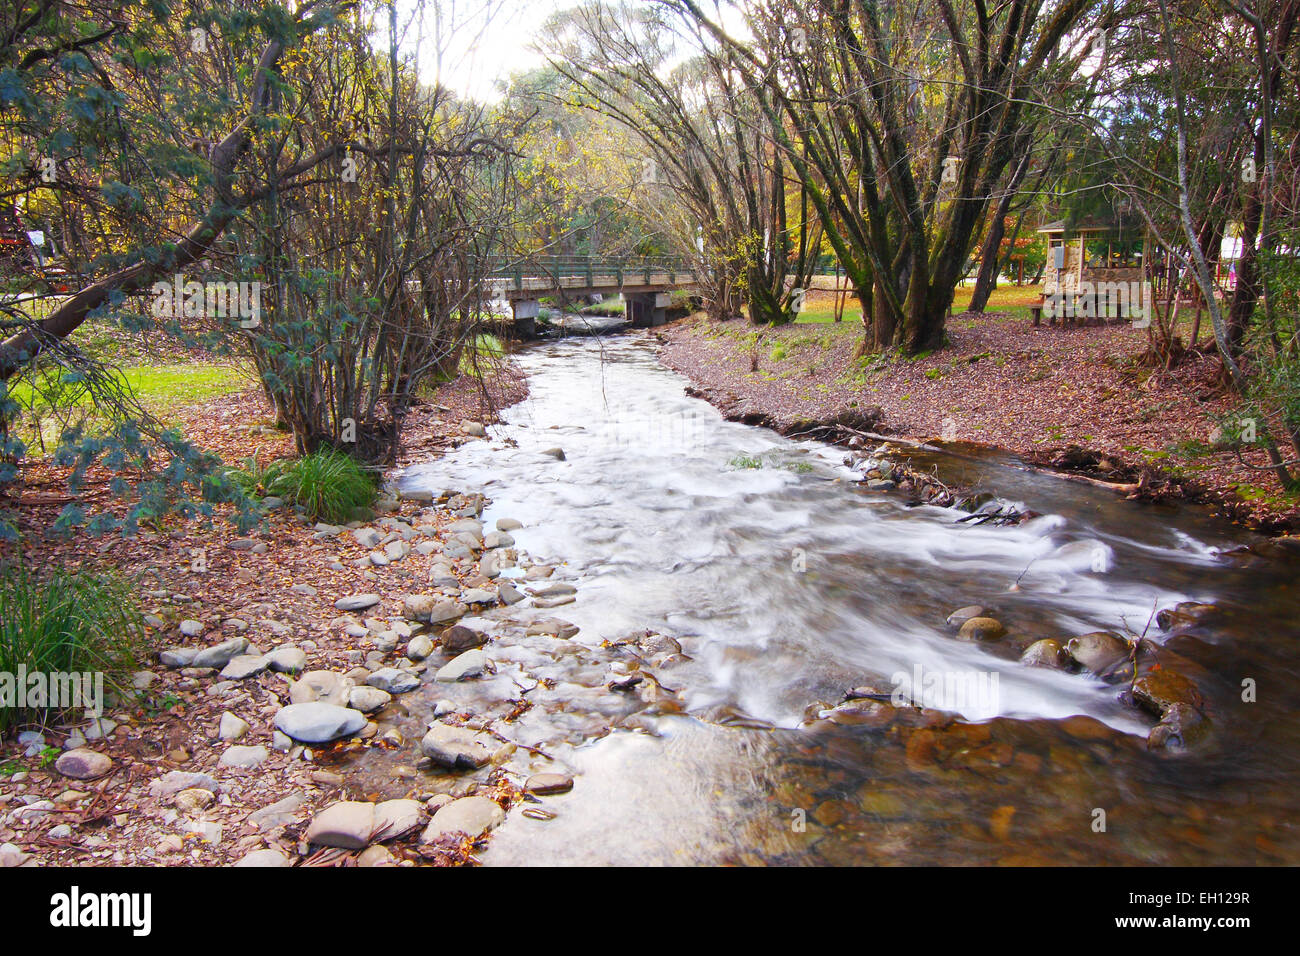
(472, 45)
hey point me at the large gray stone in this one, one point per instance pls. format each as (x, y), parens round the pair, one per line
(318, 723)
(347, 824)
(263, 858)
(368, 699)
(357, 602)
(238, 756)
(456, 748)
(83, 764)
(221, 654)
(326, 687)
(472, 816)
(243, 666)
(470, 664)
(393, 680)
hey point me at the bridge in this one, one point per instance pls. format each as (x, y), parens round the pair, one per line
(644, 283)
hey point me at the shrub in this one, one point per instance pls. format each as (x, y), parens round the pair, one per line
(69, 622)
(328, 483)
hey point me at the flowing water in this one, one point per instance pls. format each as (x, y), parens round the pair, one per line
(786, 583)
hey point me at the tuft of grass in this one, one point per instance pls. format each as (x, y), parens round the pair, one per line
(329, 484)
(66, 622)
(485, 351)
(745, 461)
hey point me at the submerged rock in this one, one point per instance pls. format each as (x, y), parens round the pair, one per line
(1159, 690)
(960, 616)
(1045, 653)
(1098, 651)
(1184, 613)
(456, 748)
(459, 638)
(981, 629)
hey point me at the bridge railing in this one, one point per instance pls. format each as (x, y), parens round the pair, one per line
(588, 269)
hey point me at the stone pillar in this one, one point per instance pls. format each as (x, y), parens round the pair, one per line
(647, 309)
(526, 312)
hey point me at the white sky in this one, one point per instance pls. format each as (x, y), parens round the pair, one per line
(471, 45)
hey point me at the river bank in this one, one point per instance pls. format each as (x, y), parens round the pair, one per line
(1073, 400)
(197, 768)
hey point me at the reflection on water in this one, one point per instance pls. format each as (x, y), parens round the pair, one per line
(786, 584)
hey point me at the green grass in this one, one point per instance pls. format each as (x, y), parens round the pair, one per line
(161, 390)
(1012, 299)
(67, 622)
(480, 354)
(742, 462)
(329, 484)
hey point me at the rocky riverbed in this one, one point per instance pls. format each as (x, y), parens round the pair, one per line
(618, 629)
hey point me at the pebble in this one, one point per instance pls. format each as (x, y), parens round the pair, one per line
(193, 799)
(459, 638)
(238, 756)
(191, 628)
(286, 659)
(175, 781)
(548, 783)
(232, 727)
(245, 666)
(419, 647)
(326, 687)
(263, 858)
(278, 814)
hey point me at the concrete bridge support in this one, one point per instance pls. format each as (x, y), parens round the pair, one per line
(526, 312)
(646, 309)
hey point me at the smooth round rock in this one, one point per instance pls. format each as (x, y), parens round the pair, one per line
(83, 764)
(548, 783)
(318, 723)
(981, 629)
(472, 816)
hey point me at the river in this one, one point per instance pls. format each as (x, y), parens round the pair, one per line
(785, 583)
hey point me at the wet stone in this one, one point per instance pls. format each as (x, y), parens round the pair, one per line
(1098, 651)
(981, 629)
(472, 816)
(1045, 653)
(543, 784)
(456, 748)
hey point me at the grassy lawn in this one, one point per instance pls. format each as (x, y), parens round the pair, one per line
(820, 306)
(163, 390)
